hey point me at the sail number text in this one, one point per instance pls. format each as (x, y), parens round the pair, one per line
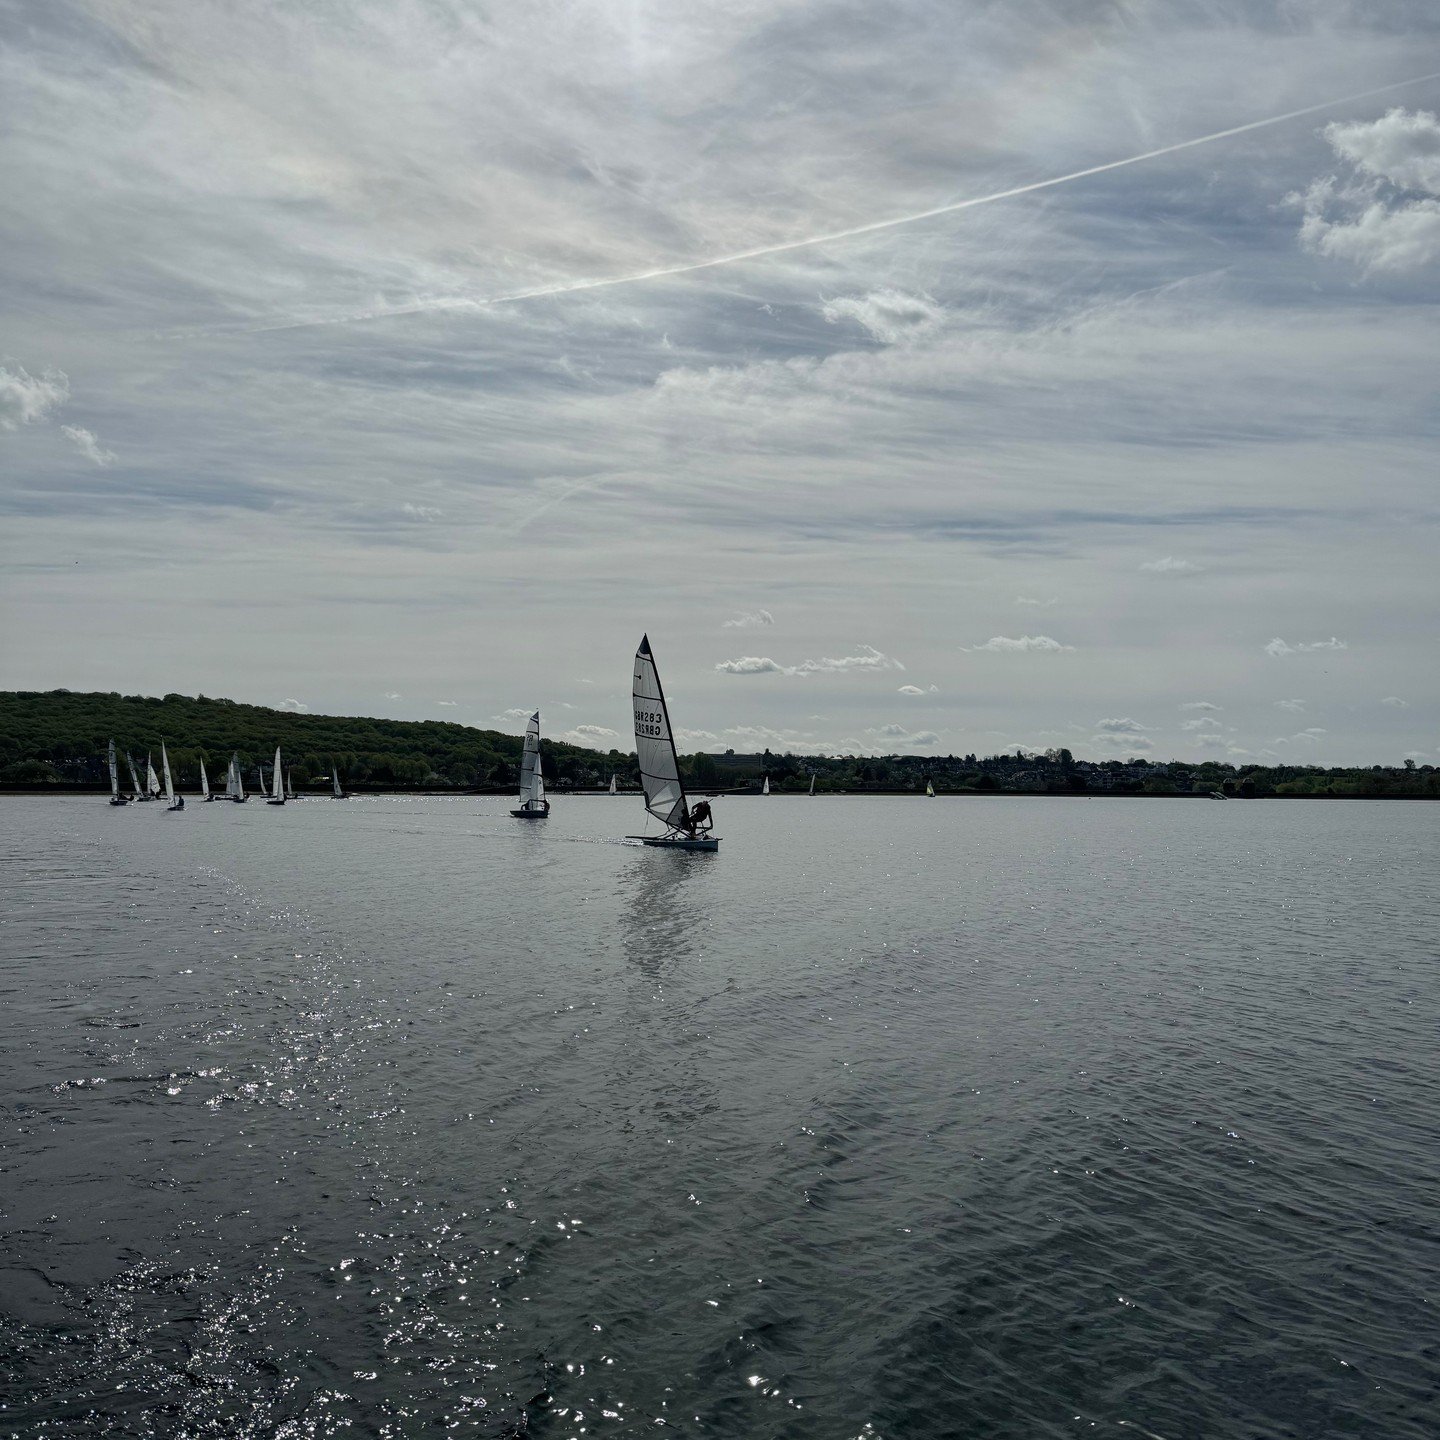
(650, 722)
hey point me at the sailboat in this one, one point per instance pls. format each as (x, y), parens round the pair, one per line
(289, 783)
(175, 802)
(613, 789)
(812, 782)
(260, 782)
(533, 804)
(685, 829)
(152, 780)
(136, 793)
(335, 781)
(277, 783)
(234, 782)
(205, 784)
(116, 798)
(765, 788)
(929, 789)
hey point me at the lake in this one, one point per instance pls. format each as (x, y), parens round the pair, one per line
(1001, 1117)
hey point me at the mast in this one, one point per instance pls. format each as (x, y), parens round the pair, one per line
(114, 774)
(655, 743)
(169, 783)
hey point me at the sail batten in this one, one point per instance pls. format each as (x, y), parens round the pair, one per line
(655, 744)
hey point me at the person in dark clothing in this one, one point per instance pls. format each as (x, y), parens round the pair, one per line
(700, 817)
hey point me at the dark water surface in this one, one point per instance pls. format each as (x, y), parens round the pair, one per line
(897, 1118)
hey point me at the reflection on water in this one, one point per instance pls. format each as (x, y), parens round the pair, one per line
(1005, 1119)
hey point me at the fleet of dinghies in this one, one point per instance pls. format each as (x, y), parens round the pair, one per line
(684, 825)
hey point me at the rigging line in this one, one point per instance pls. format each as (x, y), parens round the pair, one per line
(760, 252)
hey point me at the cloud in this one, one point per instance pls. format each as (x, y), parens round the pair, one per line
(393, 695)
(1395, 702)
(909, 690)
(1198, 705)
(753, 665)
(1294, 705)
(693, 737)
(25, 398)
(1035, 603)
(890, 316)
(1126, 743)
(869, 658)
(449, 703)
(1121, 725)
(516, 714)
(1169, 565)
(297, 706)
(88, 445)
(1210, 741)
(906, 736)
(1005, 645)
(753, 620)
(1205, 722)
(1279, 647)
(1381, 216)
(424, 513)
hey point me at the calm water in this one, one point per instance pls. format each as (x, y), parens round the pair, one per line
(897, 1118)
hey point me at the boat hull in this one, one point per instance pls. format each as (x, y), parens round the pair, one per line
(274, 802)
(530, 814)
(116, 800)
(665, 842)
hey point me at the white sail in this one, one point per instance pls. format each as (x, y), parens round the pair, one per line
(239, 780)
(289, 783)
(613, 790)
(812, 784)
(277, 779)
(152, 781)
(929, 788)
(165, 766)
(134, 778)
(204, 781)
(765, 788)
(114, 774)
(654, 744)
(532, 777)
(335, 779)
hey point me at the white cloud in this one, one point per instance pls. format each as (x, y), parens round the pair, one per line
(1121, 725)
(450, 703)
(1395, 702)
(1381, 217)
(1126, 743)
(1279, 647)
(909, 690)
(890, 316)
(1037, 604)
(25, 398)
(1199, 705)
(1020, 644)
(1296, 706)
(515, 714)
(393, 695)
(696, 737)
(753, 620)
(1205, 722)
(88, 445)
(1210, 741)
(425, 513)
(1170, 565)
(754, 665)
(297, 706)
(902, 735)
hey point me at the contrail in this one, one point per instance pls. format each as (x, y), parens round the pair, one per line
(760, 252)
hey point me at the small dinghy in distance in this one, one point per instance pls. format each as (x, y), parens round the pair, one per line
(533, 804)
(116, 798)
(135, 792)
(685, 829)
(234, 782)
(173, 801)
(205, 793)
(335, 783)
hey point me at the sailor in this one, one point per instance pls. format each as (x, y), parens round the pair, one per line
(700, 816)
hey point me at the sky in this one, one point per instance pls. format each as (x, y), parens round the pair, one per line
(414, 357)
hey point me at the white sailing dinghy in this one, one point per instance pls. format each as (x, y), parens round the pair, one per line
(765, 788)
(289, 782)
(116, 798)
(205, 784)
(812, 782)
(135, 791)
(152, 780)
(335, 781)
(277, 783)
(685, 829)
(929, 789)
(234, 782)
(613, 790)
(533, 804)
(173, 801)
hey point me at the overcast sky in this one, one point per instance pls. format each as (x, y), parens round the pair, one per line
(336, 372)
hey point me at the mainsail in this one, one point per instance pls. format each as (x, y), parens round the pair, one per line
(114, 774)
(335, 780)
(165, 766)
(654, 744)
(277, 781)
(613, 790)
(152, 781)
(812, 784)
(134, 778)
(204, 781)
(765, 788)
(532, 776)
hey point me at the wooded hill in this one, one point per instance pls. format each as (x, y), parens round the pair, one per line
(60, 736)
